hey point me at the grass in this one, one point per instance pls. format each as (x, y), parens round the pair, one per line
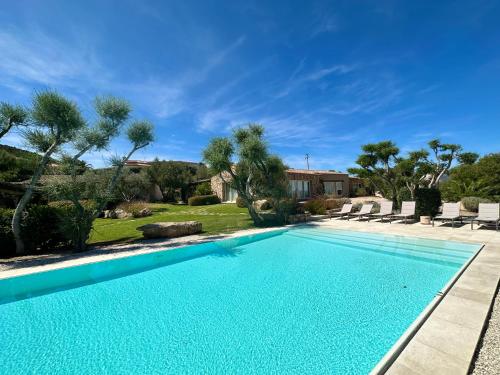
(215, 219)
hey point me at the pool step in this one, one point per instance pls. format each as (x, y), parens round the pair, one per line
(449, 246)
(431, 257)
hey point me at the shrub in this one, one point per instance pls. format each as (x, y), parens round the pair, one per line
(202, 200)
(133, 208)
(240, 202)
(357, 206)
(316, 206)
(41, 228)
(427, 201)
(360, 192)
(203, 189)
(333, 203)
(472, 203)
(8, 247)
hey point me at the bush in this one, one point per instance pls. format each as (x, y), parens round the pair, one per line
(202, 200)
(41, 228)
(472, 203)
(133, 208)
(203, 189)
(240, 202)
(360, 192)
(8, 247)
(334, 203)
(427, 201)
(316, 206)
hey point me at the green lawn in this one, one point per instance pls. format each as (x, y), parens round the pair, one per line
(218, 218)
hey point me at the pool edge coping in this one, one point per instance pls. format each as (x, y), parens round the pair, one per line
(405, 339)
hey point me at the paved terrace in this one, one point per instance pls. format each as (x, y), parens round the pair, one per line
(444, 342)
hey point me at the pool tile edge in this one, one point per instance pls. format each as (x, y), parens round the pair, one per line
(424, 357)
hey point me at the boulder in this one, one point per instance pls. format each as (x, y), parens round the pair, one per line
(145, 212)
(262, 205)
(170, 229)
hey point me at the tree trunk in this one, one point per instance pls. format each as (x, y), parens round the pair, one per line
(25, 199)
(6, 129)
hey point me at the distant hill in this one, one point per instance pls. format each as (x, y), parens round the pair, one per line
(17, 164)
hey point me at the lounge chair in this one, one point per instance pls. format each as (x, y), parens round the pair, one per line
(385, 211)
(451, 212)
(365, 211)
(488, 213)
(345, 211)
(407, 211)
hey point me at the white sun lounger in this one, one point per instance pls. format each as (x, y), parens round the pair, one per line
(345, 211)
(407, 211)
(451, 212)
(365, 211)
(385, 211)
(488, 213)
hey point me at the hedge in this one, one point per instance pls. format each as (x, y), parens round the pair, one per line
(427, 202)
(41, 229)
(472, 203)
(202, 200)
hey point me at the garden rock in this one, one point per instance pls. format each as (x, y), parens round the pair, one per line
(170, 229)
(145, 212)
(262, 205)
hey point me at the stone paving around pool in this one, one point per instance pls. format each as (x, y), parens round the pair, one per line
(446, 341)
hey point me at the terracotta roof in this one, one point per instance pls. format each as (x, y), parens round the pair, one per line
(137, 163)
(314, 172)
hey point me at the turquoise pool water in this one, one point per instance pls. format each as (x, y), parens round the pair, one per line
(299, 301)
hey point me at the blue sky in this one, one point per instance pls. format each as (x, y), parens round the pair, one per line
(322, 77)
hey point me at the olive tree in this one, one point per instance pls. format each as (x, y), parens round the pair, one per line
(112, 113)
(378, 163)
(244, 162)
(444, 156)
(80, 220)
(11, 116)
(57, 121)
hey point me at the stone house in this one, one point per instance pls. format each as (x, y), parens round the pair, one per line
(303, 183)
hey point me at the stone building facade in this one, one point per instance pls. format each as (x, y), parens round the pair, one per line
(304, 184)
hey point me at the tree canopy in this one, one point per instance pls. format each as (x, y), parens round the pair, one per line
(244, 162)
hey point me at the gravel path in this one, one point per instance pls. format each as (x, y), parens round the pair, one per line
(488, 358)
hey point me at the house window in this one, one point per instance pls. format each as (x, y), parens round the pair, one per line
(299, 188)
(230, 194)
(329, 187)
(339, 187)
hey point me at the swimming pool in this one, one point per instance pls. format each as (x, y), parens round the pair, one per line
(303, 300)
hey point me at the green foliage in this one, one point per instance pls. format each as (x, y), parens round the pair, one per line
(8, 247)
(58, 121)
(203, 200)
(334, 203)
(472, 203)
(204, 188)
(427, 201)
(140, 133)
(132, 186)
(240, 202)
(133, 208)
(316, 206)
(481, 179)
(256, 174)
(360, 192)
(378, 164)
(171, 176)
(468, 158)
(16, 166)
(11, 116)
